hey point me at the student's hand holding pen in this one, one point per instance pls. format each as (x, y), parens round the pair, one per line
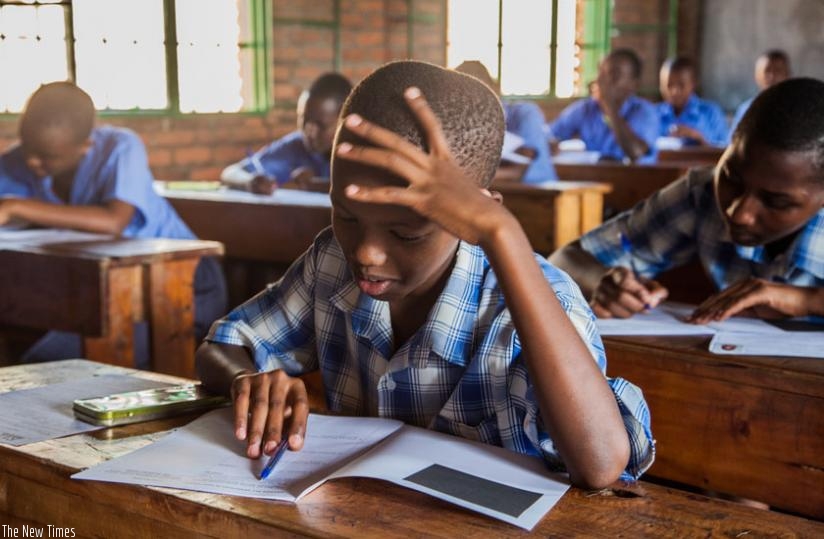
(269, 406)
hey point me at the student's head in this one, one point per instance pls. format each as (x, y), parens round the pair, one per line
(677, 81)
(771, 68)
(55, 127)
(770, 180)
(318, 110)
(406, 255)
(476, 69)
(620, 70)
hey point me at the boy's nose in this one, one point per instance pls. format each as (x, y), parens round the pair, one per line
(742, 210)
(370, 253)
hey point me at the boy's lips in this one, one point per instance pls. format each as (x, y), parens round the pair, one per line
(373, 286)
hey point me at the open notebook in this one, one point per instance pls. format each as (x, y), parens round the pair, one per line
(204, 456)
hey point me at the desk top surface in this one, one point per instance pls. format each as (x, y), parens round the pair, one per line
(349, 507)
(281, 197)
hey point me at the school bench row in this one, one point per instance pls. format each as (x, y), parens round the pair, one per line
(37, 491)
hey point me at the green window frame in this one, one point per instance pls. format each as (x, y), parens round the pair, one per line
(256, 16)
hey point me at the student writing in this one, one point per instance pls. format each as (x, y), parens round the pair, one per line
(613, 121)
(67, 173)
(697, 121)
(304, 153)
(756, 222)
(401, 305)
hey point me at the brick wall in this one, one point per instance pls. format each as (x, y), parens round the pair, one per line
(372, 32)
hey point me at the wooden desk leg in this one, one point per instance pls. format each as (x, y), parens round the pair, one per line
(592, 211)
(172, 316)
(567, 219)
(122, 305)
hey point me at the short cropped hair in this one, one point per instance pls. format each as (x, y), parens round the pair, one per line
(630, 56)
(470, 113)
(774, 55)
(59, 105)
(476, 69)
(788, 116)
(679, 63)
(330, 86)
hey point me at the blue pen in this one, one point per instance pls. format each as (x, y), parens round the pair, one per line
(274, 459)
(626, 246)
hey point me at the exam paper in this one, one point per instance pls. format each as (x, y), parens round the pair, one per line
(43, 413)
(668, 319)
(205, 456)
(790, 343)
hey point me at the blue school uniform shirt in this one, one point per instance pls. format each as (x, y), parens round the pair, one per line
(739, 114)
(280, 158)
(585, 120)
(527, 121)
(704, 116)
(461, 373)
(683, 220)
(114, 168)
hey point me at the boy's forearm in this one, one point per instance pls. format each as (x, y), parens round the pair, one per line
(584, 268)
(576, 403)
(110, 218)
(634, 147)
(217, 365)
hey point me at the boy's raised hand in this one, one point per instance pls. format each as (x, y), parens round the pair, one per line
(621, 294)
(264, 403)
(764, 299)
(438, 188)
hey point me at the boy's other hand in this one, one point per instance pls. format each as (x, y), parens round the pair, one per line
(620, 294)
(264, 403)
(438, 188)
(759, 298)
(263, 185)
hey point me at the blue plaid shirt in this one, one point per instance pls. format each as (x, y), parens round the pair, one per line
(704, 116)
(683, 220)
(462, 372)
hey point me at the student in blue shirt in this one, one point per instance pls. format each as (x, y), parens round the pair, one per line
(772, 67)
(614, 121)
(425, 301)
(698, 122)
(301, 155)
(755, 222)
(526, 120)
(67, 173)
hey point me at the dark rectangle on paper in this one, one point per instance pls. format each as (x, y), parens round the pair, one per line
(499, 497)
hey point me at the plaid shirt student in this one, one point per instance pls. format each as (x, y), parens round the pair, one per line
(683, 220)
(461, 372)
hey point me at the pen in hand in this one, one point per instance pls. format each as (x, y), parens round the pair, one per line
(274, 459)
(626, 246)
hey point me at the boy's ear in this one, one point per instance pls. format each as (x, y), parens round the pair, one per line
(494, 195)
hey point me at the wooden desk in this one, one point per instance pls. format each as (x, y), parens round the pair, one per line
(35, 490)
(748, 426)
(630, 183)
(101, 287)
(691, 156)
(553, 214)
(276, 228)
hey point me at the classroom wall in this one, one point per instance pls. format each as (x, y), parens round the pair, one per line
(197, 147)
(735, 32)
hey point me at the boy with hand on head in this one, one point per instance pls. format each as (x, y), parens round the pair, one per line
(772, 67)
(613, 121)
(67, 173)
(425, 301)
(304, 153)
(698, 122)
(755, 221)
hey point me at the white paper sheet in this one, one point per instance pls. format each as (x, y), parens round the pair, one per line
(789, 343)
(668, 319)
(294, 197)
(204, 456)
(43, 413)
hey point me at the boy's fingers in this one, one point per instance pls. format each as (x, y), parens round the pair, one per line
(380, 195)
(394, 162)
(430, 123)
(383, 138)
(240, 390)
(258, 413)
(300, 413)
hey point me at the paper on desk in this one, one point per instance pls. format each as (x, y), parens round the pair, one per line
(205, 456)
(46, 236)
(790, 343)
(43, 413)
(668, 319)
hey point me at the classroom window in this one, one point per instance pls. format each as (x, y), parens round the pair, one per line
(528, 45)
(179, 56)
